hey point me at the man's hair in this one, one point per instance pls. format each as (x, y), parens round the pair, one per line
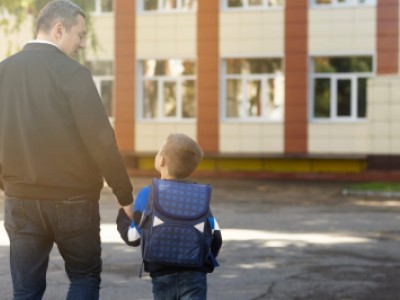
(63, 11)
(181, 154)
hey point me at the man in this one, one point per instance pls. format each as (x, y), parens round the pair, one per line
(56, 145)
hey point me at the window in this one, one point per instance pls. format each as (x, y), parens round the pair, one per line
(101, 6)
(323, 3)
(168, 89)
(167, 5)
(103, 79)
(253, 4)
(253, 89)
(339, 87)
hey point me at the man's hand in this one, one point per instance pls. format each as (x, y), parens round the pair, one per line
(128, 209)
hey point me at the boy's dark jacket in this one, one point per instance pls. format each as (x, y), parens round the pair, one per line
(124, 224)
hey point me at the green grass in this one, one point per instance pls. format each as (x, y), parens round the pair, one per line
(376, 186)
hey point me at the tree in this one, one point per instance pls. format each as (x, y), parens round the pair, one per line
(19, 10)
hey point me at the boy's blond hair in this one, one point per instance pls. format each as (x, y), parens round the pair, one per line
(182, 155)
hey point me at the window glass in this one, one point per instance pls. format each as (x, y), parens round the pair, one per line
(172, 67)
(102, 71)
(168, 89)
(234, 93)
(343, 64)
(150, 94)
(100, 67)
(344, 98)
(254, 88)
(235, 3)
(362, 97)
(189, 4)
(340, 87)
(106, 95)
(322, 98)
(106, 5)
(168, 5)
(253, 4)
(188, 99)
(150, 5)
(276, 2)
(255, 98)
(343, 2)
(170, 103)
(253, 66)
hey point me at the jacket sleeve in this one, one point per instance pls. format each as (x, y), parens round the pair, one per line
(97, 134)
(129, 230)
(217, 236)
(1, 183)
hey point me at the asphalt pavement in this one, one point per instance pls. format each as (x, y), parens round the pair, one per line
(283, 240)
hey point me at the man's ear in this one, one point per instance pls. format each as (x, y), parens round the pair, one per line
(58, 30)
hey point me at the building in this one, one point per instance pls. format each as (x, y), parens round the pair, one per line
(291, 86)
(265, 86)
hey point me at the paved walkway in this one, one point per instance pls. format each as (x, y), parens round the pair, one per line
(282, 241)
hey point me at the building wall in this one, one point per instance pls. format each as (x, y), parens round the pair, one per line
(103, 25)
(296, 33)
(384, 121)
(244, 33)
(162, 37)
(166, 36)
(338, 31)
(342, 30)
(13, 42)
(240, 36)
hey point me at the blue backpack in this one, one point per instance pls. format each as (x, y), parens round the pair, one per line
(175, 226)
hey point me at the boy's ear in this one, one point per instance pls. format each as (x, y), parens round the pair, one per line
(162, 161)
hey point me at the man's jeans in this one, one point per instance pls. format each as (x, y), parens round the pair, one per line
(33, 226)
(180, 286)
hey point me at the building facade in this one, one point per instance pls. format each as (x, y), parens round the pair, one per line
(262, 85)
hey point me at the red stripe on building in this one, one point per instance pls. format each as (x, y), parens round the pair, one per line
(296, 76)
(207, 75)
(387, 36)
(124, 81)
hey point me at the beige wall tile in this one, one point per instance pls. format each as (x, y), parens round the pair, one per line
(104, 29)
(251, 138)
(164, 36)
(252, 33)
(349, 29)
(338, 138)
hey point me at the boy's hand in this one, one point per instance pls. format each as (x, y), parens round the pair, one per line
(128, 209)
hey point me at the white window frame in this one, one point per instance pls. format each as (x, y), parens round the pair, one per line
(244, 105)
(336, 3)
(161, 10)
(97, 81)
(160, 79)
(334, 77)
(247, 6)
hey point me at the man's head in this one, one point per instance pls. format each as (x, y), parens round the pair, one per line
(179, 155)
(63, 23)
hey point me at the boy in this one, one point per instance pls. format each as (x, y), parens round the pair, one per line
(176, 160)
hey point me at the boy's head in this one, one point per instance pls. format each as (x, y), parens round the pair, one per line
(178, 157)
